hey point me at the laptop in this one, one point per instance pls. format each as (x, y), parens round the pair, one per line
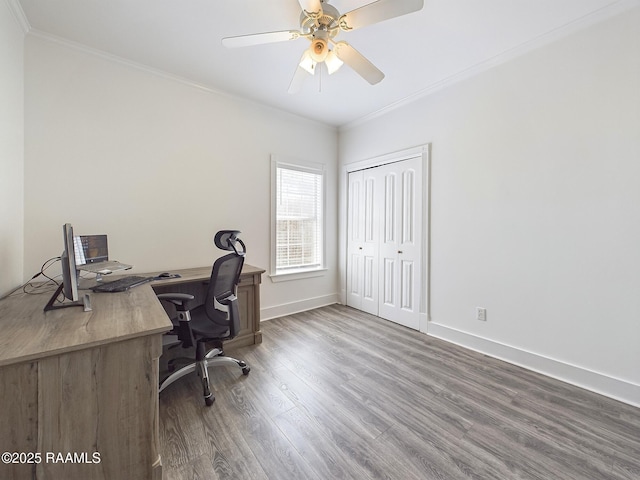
(92, 255)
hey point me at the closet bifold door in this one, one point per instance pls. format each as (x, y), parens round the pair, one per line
(384, 241)
(400, 213)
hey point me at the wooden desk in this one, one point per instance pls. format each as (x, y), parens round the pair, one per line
(195, 282)
(86, 383)
(83, 383)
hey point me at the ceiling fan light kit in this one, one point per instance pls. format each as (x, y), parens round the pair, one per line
(320, 23)
(308, 63)
(332, 62)
(319, 49)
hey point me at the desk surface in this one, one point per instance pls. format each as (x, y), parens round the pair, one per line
(29, 333)
(188, 275)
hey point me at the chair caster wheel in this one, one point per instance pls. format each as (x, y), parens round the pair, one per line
(246, 370)
(209, 398)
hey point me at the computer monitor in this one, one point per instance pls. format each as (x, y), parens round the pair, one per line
(69, 285)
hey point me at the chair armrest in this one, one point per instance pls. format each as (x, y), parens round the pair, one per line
(178, 299)
(230, 306)
(182, 328)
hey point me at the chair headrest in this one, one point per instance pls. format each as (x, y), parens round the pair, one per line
(228, 240)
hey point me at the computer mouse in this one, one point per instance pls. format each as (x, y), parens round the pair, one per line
(165, 275)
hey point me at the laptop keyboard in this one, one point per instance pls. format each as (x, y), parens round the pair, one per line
(104, 267)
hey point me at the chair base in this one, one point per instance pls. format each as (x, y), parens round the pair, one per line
(213, 358)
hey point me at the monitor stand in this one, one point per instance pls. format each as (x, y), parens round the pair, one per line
(85, 302)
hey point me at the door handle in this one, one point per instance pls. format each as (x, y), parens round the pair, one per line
(399, 251)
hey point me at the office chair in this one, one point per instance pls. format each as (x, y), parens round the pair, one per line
(217, 320)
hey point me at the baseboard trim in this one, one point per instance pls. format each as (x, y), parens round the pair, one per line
(267, 313)
(615, 388)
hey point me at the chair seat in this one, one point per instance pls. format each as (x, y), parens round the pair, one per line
(202, 326)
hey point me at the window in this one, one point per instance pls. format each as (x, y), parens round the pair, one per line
(298, 210)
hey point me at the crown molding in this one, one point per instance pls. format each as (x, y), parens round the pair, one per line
(542, 40)
(80, 47)
(164, 74)
(18, 14)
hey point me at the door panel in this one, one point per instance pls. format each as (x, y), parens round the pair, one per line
(370, 224)
(355, 233)
(408, 206)
(353, 285)
(389, 207)
(362, 278)
(388, 283)
(406, 288)
(370, 287)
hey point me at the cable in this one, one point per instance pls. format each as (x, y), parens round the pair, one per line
(44, 287)
(40, 286)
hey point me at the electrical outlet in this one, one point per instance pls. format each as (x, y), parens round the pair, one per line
(481, 314)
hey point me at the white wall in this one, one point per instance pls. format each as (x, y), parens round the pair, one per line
(535, 203)
(11, 150)
(158, 165)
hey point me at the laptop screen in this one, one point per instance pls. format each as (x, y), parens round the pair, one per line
(91, 249)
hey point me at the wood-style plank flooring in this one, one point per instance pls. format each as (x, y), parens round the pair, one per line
(335, 393)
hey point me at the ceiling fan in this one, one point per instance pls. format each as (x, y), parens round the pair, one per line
(320, 23)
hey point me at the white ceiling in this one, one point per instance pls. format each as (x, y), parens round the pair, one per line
(448, 39)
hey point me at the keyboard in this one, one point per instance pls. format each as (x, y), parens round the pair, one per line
(122, 284)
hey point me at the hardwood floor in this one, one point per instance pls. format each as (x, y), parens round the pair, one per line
(335, 393)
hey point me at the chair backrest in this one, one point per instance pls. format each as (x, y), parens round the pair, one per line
(225, 276)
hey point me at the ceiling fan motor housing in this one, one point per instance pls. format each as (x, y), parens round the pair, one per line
(322, 29)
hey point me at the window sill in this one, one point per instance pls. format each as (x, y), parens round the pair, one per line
(298, 275)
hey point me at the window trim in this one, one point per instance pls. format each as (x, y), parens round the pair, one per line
(311, 167)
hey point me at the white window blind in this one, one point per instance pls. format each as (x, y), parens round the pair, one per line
(299, 219)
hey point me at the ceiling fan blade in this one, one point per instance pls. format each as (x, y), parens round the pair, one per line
(359, 63)
(311, 8)
(260, 38)
(297, 80)
(377, 12)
